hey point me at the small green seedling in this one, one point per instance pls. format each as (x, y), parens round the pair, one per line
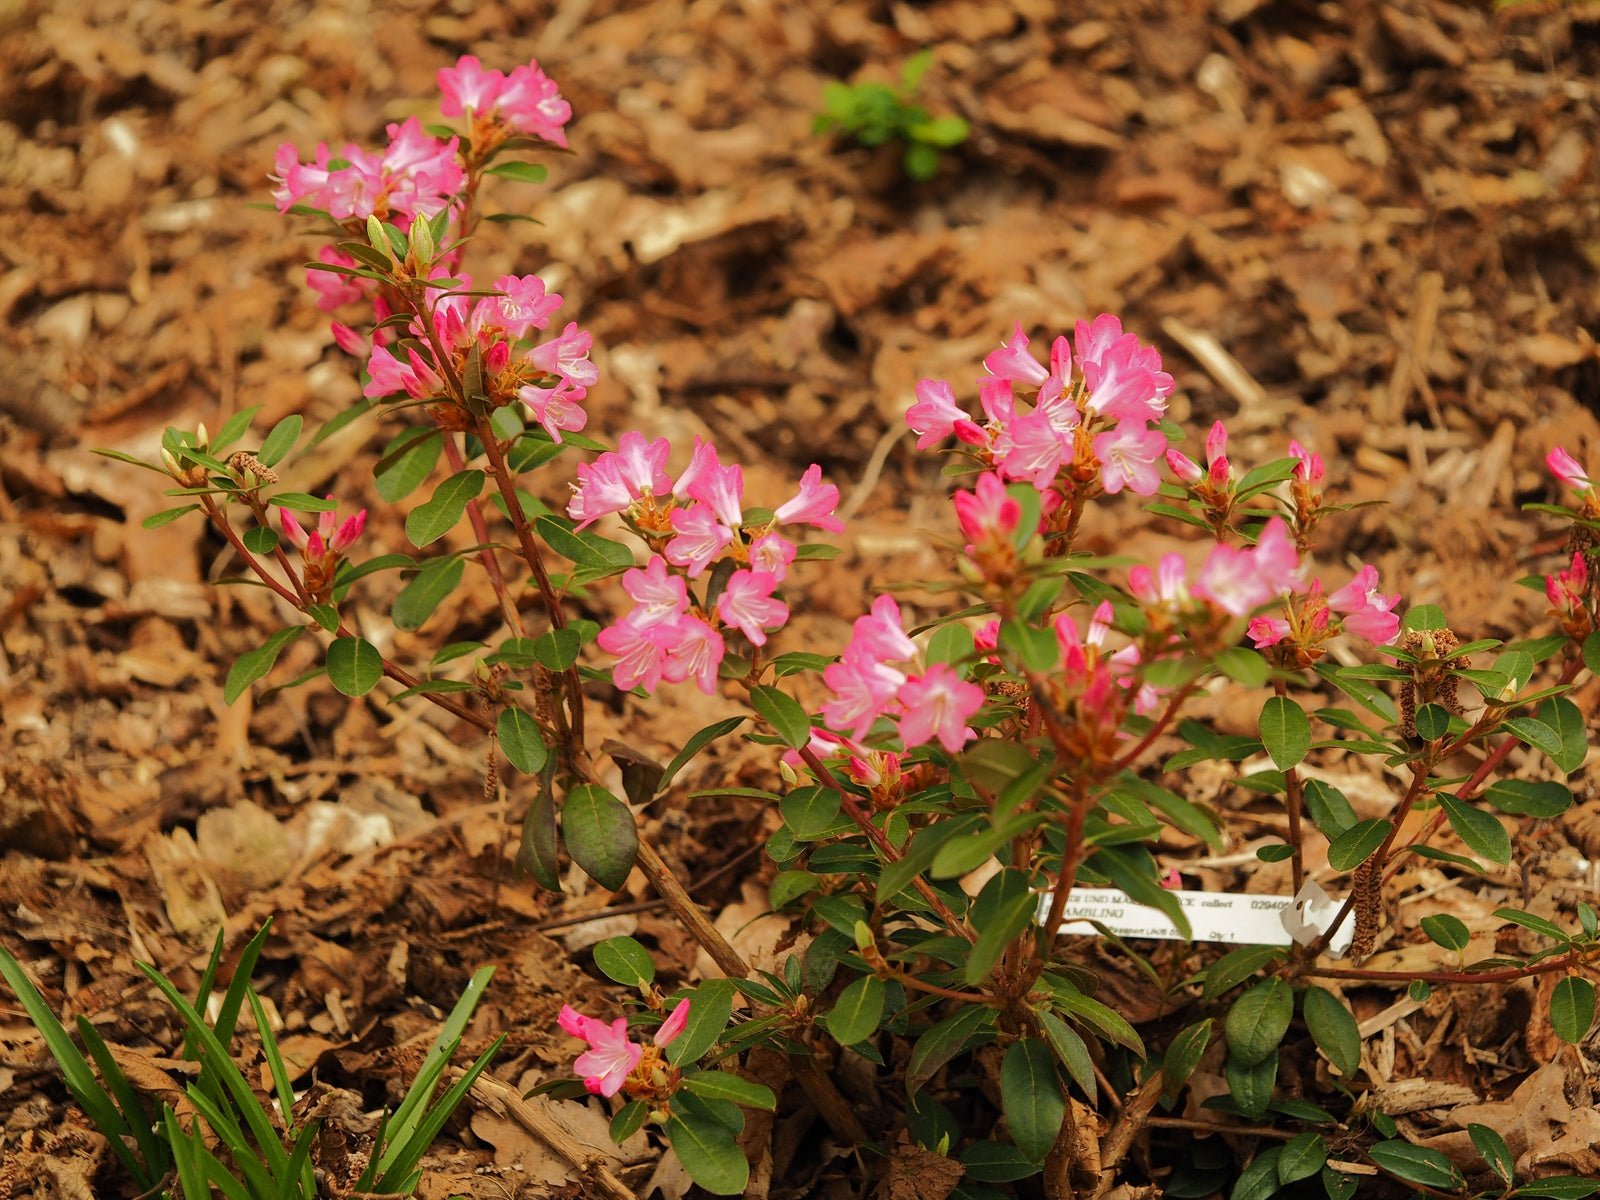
(875, 113)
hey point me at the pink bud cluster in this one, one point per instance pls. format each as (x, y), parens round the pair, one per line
(551, 378)
(1218, 473)
(612, 1055)
(1073, 432)
(692, 523)
(867, 684)
(330, 536)
(1096, 687)
(417, 175)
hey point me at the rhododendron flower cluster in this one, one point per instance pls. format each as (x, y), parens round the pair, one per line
(1075, 436)
(1233, 580)
(613, 1057)
(499, 105)
(1094, 688)
(417, 175)
(867, 684)
(691, 524)
(551, 378)
(1365, 613)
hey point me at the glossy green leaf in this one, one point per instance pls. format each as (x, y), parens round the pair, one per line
(1417, 1164)
(255, 664)
(1494, 1150)
(856, 1014)
(600, 834)
(1251, 1087)
(1003, 909)
(943, 1042)
(437, 516)
(537, 852)
(1285, 731)
(724, 1085)
(1333, 1028)
(1357, 844)
(354, 665)
(425, 591)
(281, 440)
(625, 961)
(1183, 1055)
(1258, 1020)
(1482, 832)
(1302, 1157)
(520, 740)
(407, 462)
(710, 1155)
(1572, 1008)
(785, 714)
(1447, 931)
(1030, 1092)
(710, 1007)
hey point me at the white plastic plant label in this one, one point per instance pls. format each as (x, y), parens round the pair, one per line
(1240, 920)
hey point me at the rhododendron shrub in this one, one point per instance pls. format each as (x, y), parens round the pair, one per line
(946, 778)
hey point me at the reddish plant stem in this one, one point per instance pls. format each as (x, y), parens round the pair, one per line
(390, 669)
(1565, 962)
(1292, 801)
(875, 835)
(1156, 730)
(531, 554)
(480, 530)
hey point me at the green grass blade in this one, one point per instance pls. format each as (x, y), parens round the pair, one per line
(214, 1057)
(222, 1179)
(79, 1076)
(228, 1130)
(202, 998)
(300, 1168)
(150, 1146)
(275, 1063)
(421, 1091)
(430, 1126)
(233, 998)
(191, 1176)
(379, 1141)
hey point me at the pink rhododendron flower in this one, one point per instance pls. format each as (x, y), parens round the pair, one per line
(1309, 468)
(611, 1056)
(531, 103)
(468, 87)
(567, 356)
(720, 489)
(748, 605)
(335, 290)
(772, 553)
(1266, 631)
(864, 690)
(696, 653)
(1032, 448)
(881, 634)
(616, 479)
(1568, 470)
(937, 704)
(989, 515)
(524, 304)
(701, 538)
(1128, 456)
(641, 652)
(558, 408)
(1167, 587)
(1184, 468)
(1012, 361)
(658, 595)
(936, 416)
(1367, 611)
(813, 504)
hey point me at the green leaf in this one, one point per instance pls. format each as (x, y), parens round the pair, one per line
(1108, 1023)
(520, 741)
(520, 171)
(724, 1085)
(1337, 1185)
(1285, 731)
(710, 1007)
(710, 1155)
(1251, 1087)
(1072, 1050)
(1425, 617)
(1030, 1092)
(232, 429)
(585, 549)
(992, 1162)
(810, 811)
(1234, 967)
(693, 746)
(1447, 931)
(1416, 1164)
(1494, 1150)
(1357, 844)
(1330, 811)
(301, 501)
(167, 516)
(629, 1120)
(1572, 1008)
(1260, 1179)
(785, 714)
(1482, 833)
(1244, 666)
(600, 834)
(941, 1043)
(280, 441)
(1002, 910)
(354, 665)
(430, 521)
(262, 540)
(950, 643)
(407, 462)
(1535, 733)
(1036, 647)
(1529, 797)
(425, 591)
(1183, 1055)
(1539, 925)
(855, 1015)
(1432, 722)
(557, 649)
(943, 132)
(537, 853)
(1302, 1157)
(1566, 720)
(1258, 1020)
(255, 664)
(920, 161)
(625, 960)
(1560, 1187)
